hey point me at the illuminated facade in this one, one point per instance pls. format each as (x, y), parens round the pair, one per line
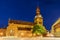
(23, 28)
(38, 18)
(2, 32)
(19, 28)
(55, 30)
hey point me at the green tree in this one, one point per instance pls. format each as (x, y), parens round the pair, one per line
(39, 29)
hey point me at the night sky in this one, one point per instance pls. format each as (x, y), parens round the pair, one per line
(26, 9)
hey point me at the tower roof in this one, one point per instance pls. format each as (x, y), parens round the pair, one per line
(21, 22)
(38, 11)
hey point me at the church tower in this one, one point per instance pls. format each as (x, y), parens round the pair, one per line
(38, 18)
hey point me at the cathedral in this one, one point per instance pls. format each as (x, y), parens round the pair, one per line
(22, 28)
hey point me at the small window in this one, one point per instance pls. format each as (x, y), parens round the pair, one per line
(21, 28)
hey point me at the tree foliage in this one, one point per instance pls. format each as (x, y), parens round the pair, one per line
(39, 29)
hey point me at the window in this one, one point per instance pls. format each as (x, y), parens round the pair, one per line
(21, 28)
(40, 22)
(11, 33)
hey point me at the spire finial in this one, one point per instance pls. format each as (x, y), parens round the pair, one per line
(38, 9)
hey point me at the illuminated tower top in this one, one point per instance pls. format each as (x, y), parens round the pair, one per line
(38, 18)
(38, 13)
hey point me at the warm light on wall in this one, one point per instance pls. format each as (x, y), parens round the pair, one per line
(30, 35)
(34, 34)
(1, 33)
(11, 31)
(22, 34)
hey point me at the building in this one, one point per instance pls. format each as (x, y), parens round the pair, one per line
(19, 28)
(55, 30)
(2, 32)
(23, 28)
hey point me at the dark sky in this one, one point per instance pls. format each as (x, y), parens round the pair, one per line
(25, 10)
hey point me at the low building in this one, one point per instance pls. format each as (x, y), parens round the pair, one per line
(19, 28)
(55, 30)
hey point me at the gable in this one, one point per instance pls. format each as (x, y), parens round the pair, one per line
(58, 21)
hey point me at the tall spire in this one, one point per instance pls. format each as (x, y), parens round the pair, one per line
(37, 11)
(38, 18)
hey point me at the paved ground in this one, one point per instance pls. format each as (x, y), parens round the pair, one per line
(33, 38)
